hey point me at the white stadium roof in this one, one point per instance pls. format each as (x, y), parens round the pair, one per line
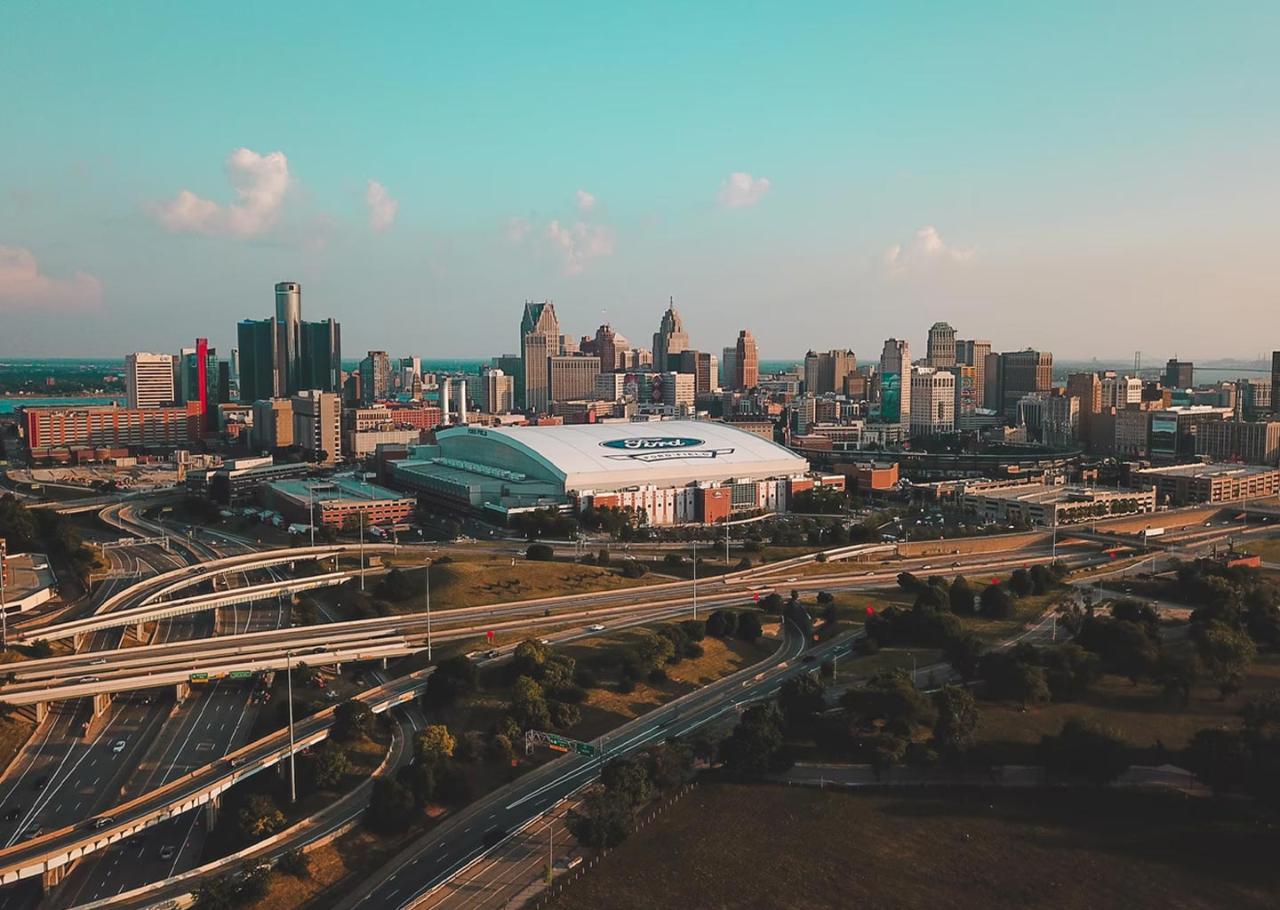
(618, 455)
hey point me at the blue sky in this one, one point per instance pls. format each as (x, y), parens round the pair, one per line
(1091, 179)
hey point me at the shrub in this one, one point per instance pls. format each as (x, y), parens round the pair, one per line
(540, 552)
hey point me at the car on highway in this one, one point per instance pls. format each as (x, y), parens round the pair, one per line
(103, 822)
(492, 653)
(167, 851)
(119, 746)
(32, 832)
(11, 815)
(40, 783)
(595, 627)
(89, 679)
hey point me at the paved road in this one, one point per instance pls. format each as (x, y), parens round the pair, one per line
(458, 841)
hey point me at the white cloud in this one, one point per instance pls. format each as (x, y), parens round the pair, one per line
(382, 208)
(261, 183)
(579, 243)
(585, 202)
(24, 287)
(925, 248)
(741, 189)
(518, 229)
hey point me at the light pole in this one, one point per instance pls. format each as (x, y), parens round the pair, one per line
(293, 778)
(726, 547)
(428, 574)
(551, 849)
(311, 512)
(362, 549)
(695, 578)
(4, 611)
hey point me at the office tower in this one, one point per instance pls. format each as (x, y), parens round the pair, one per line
(827, 372)
(499, 392)
(728, 364)
(610, 386)
(1179, 374)
(446, 401)
(235, 366)
(1275, 381)
(669, 340)
(609, 346)
(746, 362)
(933, 401)
(259, 376)
(317, 424)
(941, 350)
(289, 334)
(1088, 388)
(895, 383)
(203, 380)
(703, 366)
(539, 340)
(966, 383)
(320, 366)
(572, 377)
(460, 400)
(148, 380)
(1021, 372)
(375, 377)
(1120, 391)
(272, 424)
(676, 391)
(1255, 398)
(974, 353)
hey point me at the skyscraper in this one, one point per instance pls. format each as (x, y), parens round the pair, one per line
(669, 340)
(746, 366)
(974, 353)
(704, 368)
(827, 371)
(148, 380)
(1179, 374)
(1020, 373)
(941, 351)
(289, 334)
(1275, 381)
(375, 377)
(609, 346)
(259, 366)
(572, 377)
(539, 340)
(895, 383)
(933, 401)
(320, 366)
(728, 365)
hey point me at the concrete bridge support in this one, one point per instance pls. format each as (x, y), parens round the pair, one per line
(53, 877)
(101, 702)
(182, 691)
(211, 810)
(42, 711)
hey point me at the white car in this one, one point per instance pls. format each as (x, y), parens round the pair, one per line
(118, 747)
(595, 627)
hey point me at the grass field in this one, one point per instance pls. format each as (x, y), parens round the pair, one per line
(1136, 712)
(15, 730)
(738, 847)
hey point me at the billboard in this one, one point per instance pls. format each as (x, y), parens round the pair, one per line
(891, 397)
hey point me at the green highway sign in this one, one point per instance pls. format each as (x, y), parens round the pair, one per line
(240, 674)
(199, 677)
(584, 749)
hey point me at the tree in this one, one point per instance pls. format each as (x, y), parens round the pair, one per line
(772, 603)
(330, 764)
(669, 764)
(955, 721)
(888, 697)
(295, 863)
(960, 596)
(352, 720)
(749, 627)
(1084, 751)
(419, 778)
(529, 705)
(629, 779)
(801, 699)
(1042, 579)
(260, 817)
(1220, 758)
(605, 820)
(653, 650)
(528, 658)
(434, 745)
(391, 805)
(996, 603)
(453, 678)
(715, 624)
(964, 652)
(756, 744)
(1226, 653)
(1069, 670)
(564, 716)
(500, 749)
(1124, 647)
(217, 894)
(539, 552)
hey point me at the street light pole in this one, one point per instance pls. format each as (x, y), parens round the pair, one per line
(293, 778)
(4, 611)
(695, 578)
(428, 573)
(311, 513)
(362, 549)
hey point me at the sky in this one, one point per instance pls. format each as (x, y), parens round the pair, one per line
(1086, 178)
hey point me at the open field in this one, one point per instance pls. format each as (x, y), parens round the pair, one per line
(990, 849)
(1136, 712)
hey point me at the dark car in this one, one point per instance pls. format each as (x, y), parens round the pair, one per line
(13, 814)
(40, 783)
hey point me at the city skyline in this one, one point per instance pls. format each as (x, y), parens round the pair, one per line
(850, 182)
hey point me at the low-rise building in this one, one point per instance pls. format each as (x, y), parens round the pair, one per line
(1238, 440)
(1049, 505)
(1180, 485)
(338, 502)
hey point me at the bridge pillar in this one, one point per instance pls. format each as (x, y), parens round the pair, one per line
(42, 711)
(77, 641)
(54, 876)
(141, 631)
(384, 663)
(211, 809)
(182, 691)
(101, 702)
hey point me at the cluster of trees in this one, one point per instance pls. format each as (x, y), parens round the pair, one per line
(884, 721)
(613, 520)
(744, 625)
(246, 886)
(820, 501)
(545, 523)
(1239, 614)
(1245, 760)
(43, 530)
(608, 815)
(545, 694)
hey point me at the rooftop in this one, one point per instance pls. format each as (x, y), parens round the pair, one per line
(331, 488)
(1216, 469)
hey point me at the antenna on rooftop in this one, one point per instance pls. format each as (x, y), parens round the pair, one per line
(1137, 362)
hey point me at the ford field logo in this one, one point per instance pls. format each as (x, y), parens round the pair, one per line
(661, 448)
(652, 443)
